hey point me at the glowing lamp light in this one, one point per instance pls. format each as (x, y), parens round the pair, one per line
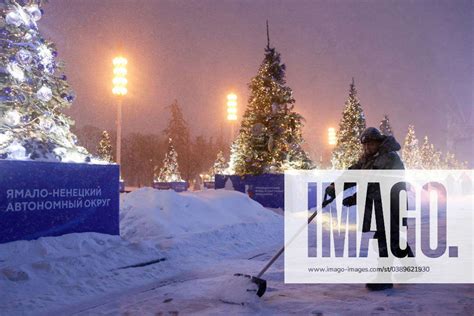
(231, 107)
(120, 73)
(332, 140)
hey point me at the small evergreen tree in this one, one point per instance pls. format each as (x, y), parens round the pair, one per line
(411, 151)
(436, 161)
(270, 136)
(348, 147)
(170, 170)
(33, 90)
(220, 165)
(385, 127)
(104, 150)
(450, 162)
(427, 154)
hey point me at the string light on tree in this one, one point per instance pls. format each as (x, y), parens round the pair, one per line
(104, 150)
(220, 165)
(170, 170)
(270, 136)
(33, 91)
(411, 151)
(348, 148)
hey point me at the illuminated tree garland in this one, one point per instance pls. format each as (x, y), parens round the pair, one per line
(170, 170)
(104, 150)
(348, 148)
(220, 165)
(411, 151)
(270, 135)
(33, 90)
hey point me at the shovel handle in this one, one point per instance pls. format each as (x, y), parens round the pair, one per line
(282, 249)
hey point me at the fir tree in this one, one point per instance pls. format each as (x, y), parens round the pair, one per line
(450, 162)
(436, 162)
(33, 90)
(104, 150)
(426, 154)
(270, 135)
(178, 131)
(220, 165)
(348, 148)
(430, 157)
(170, 170)
(385, 127)
(411, 151)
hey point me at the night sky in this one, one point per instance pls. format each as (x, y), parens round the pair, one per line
(411, 60)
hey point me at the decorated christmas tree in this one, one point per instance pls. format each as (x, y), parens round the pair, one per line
(104, 150)
(411, 152)
(385, 127)
(426, 153)
(33, 90)
(170, 170)
(220, 165)
(270, 137)
(430, 158)
(450, 162)
(348, 148)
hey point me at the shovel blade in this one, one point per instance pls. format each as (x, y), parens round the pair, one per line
(261, 283)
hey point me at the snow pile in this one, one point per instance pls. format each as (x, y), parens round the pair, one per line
(152, 214)
(190, 230)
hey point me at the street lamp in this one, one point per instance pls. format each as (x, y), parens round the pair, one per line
(232, 111)
(120, 90)
(332, 140)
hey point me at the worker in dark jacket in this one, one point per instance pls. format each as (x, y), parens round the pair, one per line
(379, 152)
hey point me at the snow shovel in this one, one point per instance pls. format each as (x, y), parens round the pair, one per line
(261, 283)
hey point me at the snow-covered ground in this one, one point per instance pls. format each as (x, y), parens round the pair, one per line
(177, 255)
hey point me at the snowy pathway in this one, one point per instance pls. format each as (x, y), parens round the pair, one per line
(201, 292)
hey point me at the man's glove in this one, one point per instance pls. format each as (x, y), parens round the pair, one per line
(331, 191)
(351, 200)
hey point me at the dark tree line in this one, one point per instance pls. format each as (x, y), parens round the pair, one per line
(142, 152)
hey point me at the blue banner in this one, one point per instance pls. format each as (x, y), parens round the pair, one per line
(176, 186)
(39, 199)
(267, 189)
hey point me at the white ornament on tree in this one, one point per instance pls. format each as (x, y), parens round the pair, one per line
(24, 57)
(27, 37)
(46, 124)
(15, 71)
(12, 118)
(14, 18)
(45, 55)
(34, 12)
(44, 94)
